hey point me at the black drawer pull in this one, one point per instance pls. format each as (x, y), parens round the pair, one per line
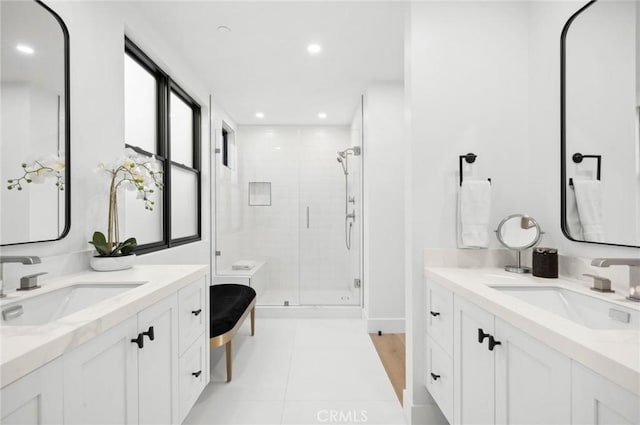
(434, 376)
(434, 313)
(197, 374)
(196, 312)
(139, 340)
(482, 335)
(493, 343)
(150, 333)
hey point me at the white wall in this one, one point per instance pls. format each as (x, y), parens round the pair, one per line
(97, 31)
(466, 88)
(384, 207)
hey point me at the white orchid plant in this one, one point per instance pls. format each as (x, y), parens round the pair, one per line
(38, 171)
(130, 171)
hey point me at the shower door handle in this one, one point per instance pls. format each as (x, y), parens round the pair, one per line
(307, 216)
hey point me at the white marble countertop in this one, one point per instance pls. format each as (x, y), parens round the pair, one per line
(26, 348)
(614, 354)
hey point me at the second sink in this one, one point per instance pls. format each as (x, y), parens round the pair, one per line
(586, 310)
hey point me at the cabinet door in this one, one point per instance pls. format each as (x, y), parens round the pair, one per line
(35, 398)
(158, 363)
(473, 399)
(101, 378)
(597, 401)
(532, 380)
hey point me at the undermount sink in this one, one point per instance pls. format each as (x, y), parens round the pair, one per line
(53, 305)
(585, 310)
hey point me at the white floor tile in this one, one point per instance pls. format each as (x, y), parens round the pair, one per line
(343, 412)
(338, 374)
(299, 371)
(335, 333)
(212, 411)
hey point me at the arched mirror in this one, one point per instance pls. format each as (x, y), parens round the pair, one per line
(600, 120)
(518, 232)
(34, 161)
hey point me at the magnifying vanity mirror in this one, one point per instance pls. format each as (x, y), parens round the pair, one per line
(34, 161)
(519, 232)
(599, 123)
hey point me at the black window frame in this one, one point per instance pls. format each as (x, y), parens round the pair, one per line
(164, 87)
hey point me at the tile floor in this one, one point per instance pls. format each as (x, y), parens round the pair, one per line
(299, 371)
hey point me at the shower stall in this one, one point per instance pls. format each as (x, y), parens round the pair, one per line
(287, 208)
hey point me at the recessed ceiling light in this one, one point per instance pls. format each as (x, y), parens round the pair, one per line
(277, 148)
(224, 29)
(23, 48)
(259, 115)
(322, 115)
(314, 49)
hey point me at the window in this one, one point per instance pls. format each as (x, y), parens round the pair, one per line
(228, 146)
(162, 121)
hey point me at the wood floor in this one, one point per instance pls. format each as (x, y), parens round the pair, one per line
(391, 350)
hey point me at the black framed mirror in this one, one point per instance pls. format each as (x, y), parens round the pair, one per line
(600, 148)
(35, 149)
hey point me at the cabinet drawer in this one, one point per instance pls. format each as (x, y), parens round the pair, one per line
(193, 314)
(439, 379)
(192, 375)
(440, 316)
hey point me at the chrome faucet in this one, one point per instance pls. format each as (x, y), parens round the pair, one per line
(634, 272)
(15, 259)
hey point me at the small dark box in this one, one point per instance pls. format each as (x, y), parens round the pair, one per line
(545, 262)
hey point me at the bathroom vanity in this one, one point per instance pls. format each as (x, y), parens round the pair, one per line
(507, 348)
(124, 347)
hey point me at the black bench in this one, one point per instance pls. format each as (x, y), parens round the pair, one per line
(230, 304)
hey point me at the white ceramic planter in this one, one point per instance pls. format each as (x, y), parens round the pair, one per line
(111, 264)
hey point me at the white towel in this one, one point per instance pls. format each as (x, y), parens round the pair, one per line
(474, 208)
(243, 265)
(589, 201)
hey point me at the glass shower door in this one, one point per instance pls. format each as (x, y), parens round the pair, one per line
(328, 269)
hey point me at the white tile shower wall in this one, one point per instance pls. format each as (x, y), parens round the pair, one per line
(301, 166)
(97, 129)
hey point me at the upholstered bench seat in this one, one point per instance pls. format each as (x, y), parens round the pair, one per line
(230, 304)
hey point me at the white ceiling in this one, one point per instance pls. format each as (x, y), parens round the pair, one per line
(263, 63)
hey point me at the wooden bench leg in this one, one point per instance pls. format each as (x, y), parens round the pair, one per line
(229, 360)
(253, 321)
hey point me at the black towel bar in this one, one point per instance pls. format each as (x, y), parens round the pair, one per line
(470, 158)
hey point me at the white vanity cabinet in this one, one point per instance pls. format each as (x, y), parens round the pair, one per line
(597, 401)
(135, 372)
(34, 399)
(129, 374)
(502, 375)
(493, 372)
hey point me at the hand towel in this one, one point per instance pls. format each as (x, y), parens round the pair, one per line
(589, 201)
(243, 265)
(474, 208)
(574, 227)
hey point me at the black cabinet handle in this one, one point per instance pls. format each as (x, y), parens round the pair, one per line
(139, 340)
(493, 342)
(434, 376)
(434, 313)
(197, 374)
(196, 312)
(150, 333)
(482, 335)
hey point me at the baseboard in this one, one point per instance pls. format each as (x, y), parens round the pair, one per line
(422, 414)
(310, 312)
(389, 326)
